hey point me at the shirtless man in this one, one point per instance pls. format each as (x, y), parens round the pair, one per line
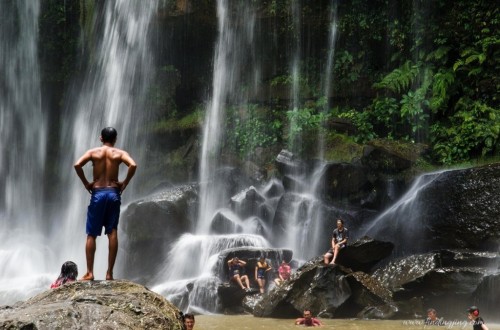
(104, 208)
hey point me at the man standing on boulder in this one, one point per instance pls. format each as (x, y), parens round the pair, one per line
(104, 207)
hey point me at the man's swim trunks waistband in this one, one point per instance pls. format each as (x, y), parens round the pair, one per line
(106, 189)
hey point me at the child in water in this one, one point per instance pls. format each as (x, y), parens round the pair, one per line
(69, 273)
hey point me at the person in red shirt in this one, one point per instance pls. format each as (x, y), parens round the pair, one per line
(308, 320)
(284, 272)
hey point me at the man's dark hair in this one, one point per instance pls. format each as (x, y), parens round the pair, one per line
(189, 316)
(109, 134)
(342, 221)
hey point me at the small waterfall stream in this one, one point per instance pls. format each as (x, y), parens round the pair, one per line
(401, 220)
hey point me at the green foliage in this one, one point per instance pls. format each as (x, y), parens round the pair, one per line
(474, 130)
(249, 127)
(385, 113)
(414, 104)
(399, 79)
(441, 89)
(361, 120)
(302, 120)
(190, 121)
(347, 68)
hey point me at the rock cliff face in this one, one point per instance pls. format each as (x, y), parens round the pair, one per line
(93, 305)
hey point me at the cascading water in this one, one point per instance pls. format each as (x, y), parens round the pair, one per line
(401, 220)
(306, 214)
(114, 94)
(22, 153)
(234, 50)
(327, 79)
(295, 69)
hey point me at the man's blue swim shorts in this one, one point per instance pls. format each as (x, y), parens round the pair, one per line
(103, 211)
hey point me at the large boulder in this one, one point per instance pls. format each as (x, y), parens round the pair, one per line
(150, 225)
(438, 278)
(445, 210)
(463, 209)
(315, 286)
(364, 253)
(93, 305)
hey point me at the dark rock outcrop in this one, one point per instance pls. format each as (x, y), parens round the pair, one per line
(364, 253)
(93, 305)
(314, 286)
(463, 209)
(439, 278)
(151, 225)
(390, 156)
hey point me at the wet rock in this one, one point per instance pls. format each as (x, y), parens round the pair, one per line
(93, 305)
(462, 208)
(410, 309)
(247, 202)
(288, 163)
(401, 271)
(439, 278)
(468, 258)
(344, 182)
(314, 286)
(274, 189)
(222, 224)
(366, 291)
(386, 156)
(231, 298)
(151, 225)
(364, 253)
(486, 296)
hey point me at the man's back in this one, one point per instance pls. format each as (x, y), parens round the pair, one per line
(106, 161)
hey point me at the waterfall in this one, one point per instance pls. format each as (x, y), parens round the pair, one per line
(295, 71)
(113, 93)
(402, 220)
(22, 153)
(327, 80)
(306, 212)
(234, 42)
(233, 52)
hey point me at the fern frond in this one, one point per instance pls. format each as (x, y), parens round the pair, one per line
(399, 79)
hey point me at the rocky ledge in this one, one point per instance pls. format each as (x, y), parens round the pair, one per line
(95, 305)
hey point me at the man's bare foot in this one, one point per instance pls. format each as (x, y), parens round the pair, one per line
(109, 276)
(87, 277)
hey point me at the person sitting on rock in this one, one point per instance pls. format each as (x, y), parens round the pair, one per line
(284, 272)
(308, 320)
(261, 270)
(236, 273)
(339, 241)
(69, 273)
